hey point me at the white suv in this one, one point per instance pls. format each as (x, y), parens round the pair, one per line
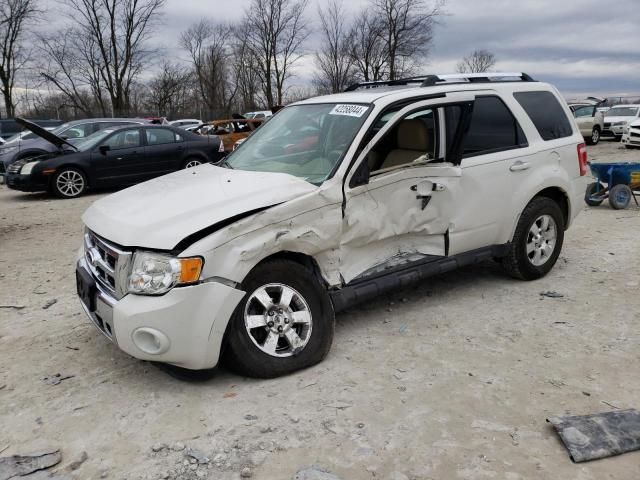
(335, 201)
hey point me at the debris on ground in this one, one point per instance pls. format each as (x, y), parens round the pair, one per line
(197, 455)
(50, 303)
(551, 294)
(78, 463)
(601, 435)
(314, 473)
(16, 307)
(246, 472)
(56, 378)
(21, 465)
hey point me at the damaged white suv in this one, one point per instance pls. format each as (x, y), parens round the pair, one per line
(335, 200)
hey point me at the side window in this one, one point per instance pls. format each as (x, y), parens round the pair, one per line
(582, 112)
(79, 131)
(411, 141)
(493, 128)
(123, 139)
(546, 113)
(160, 136)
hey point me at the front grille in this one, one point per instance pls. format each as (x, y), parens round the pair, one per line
(15, 167)
(634, 134)
(607, 124)
(108, 264)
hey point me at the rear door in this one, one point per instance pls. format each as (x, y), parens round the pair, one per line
(123, 162)
(164, 150)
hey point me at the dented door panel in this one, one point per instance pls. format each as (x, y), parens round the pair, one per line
(386, 219)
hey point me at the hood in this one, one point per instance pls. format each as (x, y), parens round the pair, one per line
(43, 133)
(161, 212)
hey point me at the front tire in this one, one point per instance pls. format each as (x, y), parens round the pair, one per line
(595, 136)
(285, 322)
(69, 183)
(537, 241)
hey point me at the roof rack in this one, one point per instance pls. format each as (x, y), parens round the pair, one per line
(432, 80)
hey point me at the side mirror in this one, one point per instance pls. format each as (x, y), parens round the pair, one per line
(361, 176)
(104, 149)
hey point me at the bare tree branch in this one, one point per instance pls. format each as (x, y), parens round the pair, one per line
(479, 61)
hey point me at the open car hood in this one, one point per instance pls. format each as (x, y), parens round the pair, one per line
(42, 133)
(162, 212)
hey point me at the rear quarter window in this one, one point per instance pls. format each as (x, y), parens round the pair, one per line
(546, 113)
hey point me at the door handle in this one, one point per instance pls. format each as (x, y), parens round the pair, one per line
(519, 166)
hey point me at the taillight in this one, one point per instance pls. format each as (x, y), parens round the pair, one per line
(582, 159)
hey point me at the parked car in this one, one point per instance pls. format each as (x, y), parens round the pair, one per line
(253, 257)
(590, 121)
(618, 117)
(110, 158)
(9, 126)
(631, 135)
(230, 131)
(257, 115)
(185, 122)
(70, 132)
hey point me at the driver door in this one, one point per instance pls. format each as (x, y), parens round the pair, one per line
(404, 188)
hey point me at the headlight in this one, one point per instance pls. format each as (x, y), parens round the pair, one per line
(619, 123)
(27, 167)
(5, 150)
(156, 273)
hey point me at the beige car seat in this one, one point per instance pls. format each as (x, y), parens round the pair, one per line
(414, 141)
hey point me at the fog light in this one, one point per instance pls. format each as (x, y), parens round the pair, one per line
(150, 341)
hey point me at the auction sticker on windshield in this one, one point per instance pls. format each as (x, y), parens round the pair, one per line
(349, 110)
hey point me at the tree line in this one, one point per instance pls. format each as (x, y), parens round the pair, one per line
(102, 62)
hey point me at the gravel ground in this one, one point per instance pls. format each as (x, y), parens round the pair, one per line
(452, 379)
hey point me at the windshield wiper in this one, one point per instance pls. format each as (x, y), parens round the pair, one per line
(224, 164)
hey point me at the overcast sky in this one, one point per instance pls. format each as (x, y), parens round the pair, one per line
(582, 46)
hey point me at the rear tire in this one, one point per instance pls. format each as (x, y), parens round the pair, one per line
(284, 323)
(595, 136)
(69, 183)
(620, 196)
(537, 241)
(591, 189)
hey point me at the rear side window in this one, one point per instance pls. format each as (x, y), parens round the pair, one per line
(159, 136)
(493, 128)
(546, 113)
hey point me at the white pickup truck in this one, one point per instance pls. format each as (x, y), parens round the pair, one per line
(334, 201)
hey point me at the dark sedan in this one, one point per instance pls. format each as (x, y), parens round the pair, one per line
(111, 158)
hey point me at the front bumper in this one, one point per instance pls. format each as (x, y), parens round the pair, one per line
(613, 130)
(25, 183)
(183, 327)
(631, 139)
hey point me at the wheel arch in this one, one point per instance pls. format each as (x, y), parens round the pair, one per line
(303, 259)
(561, 198)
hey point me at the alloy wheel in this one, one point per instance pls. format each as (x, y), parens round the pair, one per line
(278, 320)
(70, 183)
(541, 240)
(192, 163)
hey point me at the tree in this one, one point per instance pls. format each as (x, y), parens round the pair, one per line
(479, 61)
(367, 50)
(168, 89)
(71, 64)
(210, 48)
(116, 31)
(334, 63)
(275, 31)
(407, 31)
(15, 16)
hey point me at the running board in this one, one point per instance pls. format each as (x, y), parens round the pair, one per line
(367, 288)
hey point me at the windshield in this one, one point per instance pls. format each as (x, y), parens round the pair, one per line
(307, 141)
(92, 140)
(622, 112)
